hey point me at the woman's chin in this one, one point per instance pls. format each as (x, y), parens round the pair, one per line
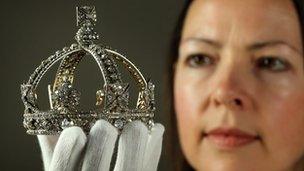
(226, 164)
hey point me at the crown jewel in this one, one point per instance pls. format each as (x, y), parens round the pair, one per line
(112, 100)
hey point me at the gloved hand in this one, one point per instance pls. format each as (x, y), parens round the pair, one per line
(138, 148)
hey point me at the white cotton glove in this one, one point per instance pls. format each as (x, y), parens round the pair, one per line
(62, 152)
(139, 149)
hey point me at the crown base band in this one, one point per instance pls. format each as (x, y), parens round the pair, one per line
(51, 123)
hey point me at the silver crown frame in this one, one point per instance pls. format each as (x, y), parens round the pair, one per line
(112, 101)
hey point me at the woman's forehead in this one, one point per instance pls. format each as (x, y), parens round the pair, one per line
(247, 20)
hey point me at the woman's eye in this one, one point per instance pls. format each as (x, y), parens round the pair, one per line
(272, 63)
(197, 60)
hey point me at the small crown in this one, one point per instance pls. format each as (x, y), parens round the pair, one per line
(112, 100)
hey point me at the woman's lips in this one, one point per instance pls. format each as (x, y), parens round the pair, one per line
(228, 138)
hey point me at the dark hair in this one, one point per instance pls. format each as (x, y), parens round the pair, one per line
(177, 157)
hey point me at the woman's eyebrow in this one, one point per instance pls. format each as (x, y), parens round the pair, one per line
(213, 43)
(255, 46)
(261, 45)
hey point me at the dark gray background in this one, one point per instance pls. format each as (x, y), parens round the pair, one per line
(32, 30)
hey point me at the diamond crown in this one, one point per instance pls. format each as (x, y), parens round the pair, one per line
(112, 100)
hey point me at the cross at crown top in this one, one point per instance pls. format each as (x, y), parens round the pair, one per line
(86, 14)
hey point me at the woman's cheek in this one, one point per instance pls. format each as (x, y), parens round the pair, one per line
(283, 119)
(184, 108)
(187, 117)
(285, 109)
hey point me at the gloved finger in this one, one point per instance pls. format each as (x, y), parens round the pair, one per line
(67, 151)
(100, 147)
(131, 148)
(154, 147)
(47, 144)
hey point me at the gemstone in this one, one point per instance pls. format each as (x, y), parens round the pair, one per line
(52, 57)
(44, 62)
(151, 86)
(98, 51)
(111, 69)
(92, 46)
(119, 123)
(113, 76)
(151, 123)
(74, 46)
(65, 49)
(65, 123)
(110, 97)
(108, 62)
(57, 53)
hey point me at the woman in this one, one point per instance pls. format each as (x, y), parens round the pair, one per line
(237, 86)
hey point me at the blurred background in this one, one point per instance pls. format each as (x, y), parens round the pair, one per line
(32, 30)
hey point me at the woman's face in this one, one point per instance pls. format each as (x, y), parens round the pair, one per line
(240, 66)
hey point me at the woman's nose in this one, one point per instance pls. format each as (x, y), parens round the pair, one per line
(230, 91)
(228, 98)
